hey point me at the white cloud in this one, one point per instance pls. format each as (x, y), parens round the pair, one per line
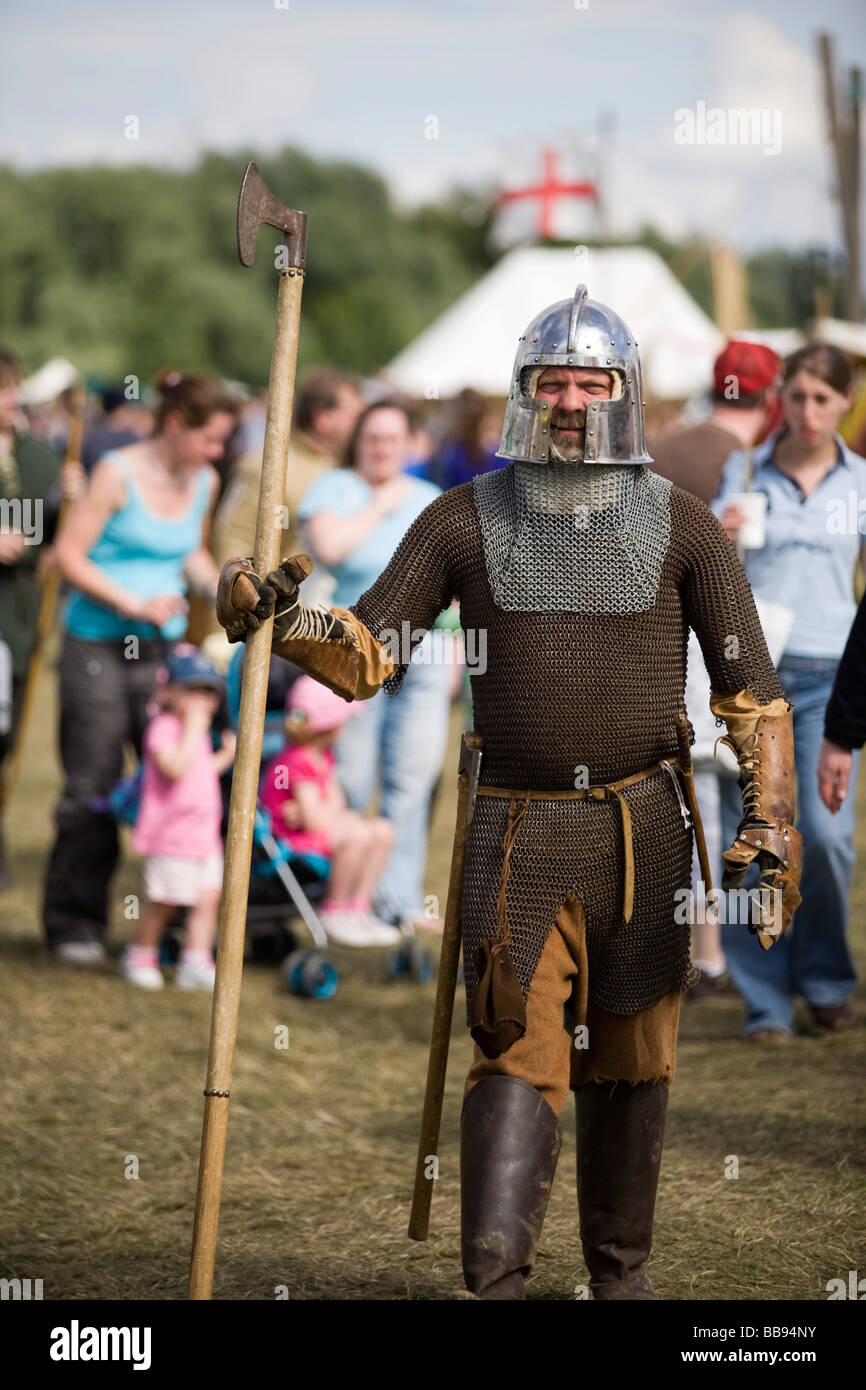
(756, 64)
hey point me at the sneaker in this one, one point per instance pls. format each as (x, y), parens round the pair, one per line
(195, 974)
(88, 954)
(145, 976)
(713, 987)
(344, 928)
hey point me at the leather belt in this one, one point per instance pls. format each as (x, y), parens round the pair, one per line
(604, 791)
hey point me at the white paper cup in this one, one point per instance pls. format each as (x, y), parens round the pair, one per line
(753, 505)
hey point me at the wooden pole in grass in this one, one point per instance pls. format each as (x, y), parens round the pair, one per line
(446, 985)
(255, 205)
(47, 607)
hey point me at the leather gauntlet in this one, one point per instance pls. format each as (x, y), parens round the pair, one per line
(762, 738)
(332, 645)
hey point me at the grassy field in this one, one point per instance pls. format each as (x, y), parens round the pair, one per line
(101, 1078)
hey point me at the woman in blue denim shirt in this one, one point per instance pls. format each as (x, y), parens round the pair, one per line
(815, 487)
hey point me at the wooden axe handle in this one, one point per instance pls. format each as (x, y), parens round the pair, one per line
(443, 1009)
(239, 833)
(684, 757)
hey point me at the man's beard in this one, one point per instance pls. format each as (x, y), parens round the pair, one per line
(568, 448)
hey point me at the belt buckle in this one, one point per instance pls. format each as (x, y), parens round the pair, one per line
(599, 793)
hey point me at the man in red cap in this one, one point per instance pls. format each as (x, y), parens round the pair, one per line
(693, 456)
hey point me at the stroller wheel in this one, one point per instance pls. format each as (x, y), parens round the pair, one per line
(411, 961)
(310, 975)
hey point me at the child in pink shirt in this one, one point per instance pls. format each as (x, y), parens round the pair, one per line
(178, 824)
(308, 809)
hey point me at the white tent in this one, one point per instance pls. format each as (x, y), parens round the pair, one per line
(782, 340)
(54, 377)
(850, 337)
(473, 343)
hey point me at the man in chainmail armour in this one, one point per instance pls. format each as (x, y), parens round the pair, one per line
(586, 571)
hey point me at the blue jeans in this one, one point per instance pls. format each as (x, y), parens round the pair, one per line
(403, 739)
(812, 958)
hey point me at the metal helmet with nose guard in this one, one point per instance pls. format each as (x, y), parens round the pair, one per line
(578, 332)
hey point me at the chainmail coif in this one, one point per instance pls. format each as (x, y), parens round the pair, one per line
(617, 519)
(588, 690)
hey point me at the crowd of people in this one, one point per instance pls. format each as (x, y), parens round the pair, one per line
(163, 495)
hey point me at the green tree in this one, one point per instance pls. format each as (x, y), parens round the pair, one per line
(128, 270)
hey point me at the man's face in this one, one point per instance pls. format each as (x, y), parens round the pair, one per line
(568, 389)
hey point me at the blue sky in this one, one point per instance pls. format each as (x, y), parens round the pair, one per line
(502, 77)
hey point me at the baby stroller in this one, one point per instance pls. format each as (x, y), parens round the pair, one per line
(286, 885)
(283, 885)
(307, 973)
(273, 867)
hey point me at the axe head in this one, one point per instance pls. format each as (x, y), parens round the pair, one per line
(257, 204)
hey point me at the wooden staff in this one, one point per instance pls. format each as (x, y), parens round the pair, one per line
(685, 761)
(443, 1009)
(47, 605)
(255, 205)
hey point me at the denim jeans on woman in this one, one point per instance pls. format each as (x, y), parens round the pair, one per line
(401, 738)
(812, 960)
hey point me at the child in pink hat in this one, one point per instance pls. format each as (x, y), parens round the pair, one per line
(300, 792)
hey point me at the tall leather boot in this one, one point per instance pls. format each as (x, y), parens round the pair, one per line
(509, 1145)
(620, 1129)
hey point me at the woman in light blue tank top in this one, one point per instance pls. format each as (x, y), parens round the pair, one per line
(355, 517)
(130, 550)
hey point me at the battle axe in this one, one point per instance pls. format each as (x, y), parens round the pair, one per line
(255, 205)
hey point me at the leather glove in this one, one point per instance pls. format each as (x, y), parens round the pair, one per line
(762, 737)
(779, 852)
(244, 602)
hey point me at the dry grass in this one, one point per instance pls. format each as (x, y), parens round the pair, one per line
(322, 1136)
